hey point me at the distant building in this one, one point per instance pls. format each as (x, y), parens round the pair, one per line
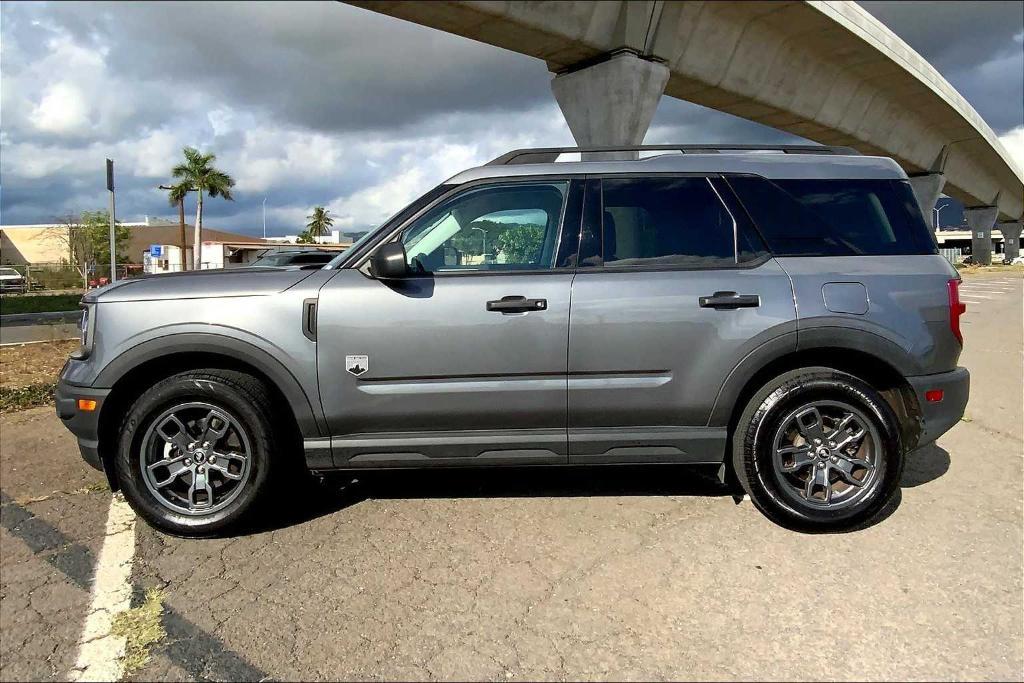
(336, 237)
(46, 244)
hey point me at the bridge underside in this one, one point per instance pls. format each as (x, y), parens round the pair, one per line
(825, 71)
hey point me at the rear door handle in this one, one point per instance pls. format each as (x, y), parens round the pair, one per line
(722, 300)
(517, 304)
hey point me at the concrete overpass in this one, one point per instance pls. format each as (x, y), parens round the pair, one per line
(826, 71)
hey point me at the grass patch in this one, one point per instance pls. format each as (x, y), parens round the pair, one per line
(994, 268)
(27, 364)
(141, 628)
(31, 396)
(39, 303)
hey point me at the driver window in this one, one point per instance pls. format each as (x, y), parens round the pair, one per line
(496, 228)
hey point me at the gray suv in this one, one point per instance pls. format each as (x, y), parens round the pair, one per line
(779, 313)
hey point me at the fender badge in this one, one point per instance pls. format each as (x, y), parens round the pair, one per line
(357, 365)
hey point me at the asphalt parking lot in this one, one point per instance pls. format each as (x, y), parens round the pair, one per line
(606, 574)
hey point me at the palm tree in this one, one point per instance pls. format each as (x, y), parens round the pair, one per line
(320, 222)
(176, 197)
(201, 177)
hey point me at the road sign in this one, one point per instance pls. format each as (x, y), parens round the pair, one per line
(156, 250)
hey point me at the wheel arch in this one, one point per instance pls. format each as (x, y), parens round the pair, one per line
(886, 374)
(135, 371)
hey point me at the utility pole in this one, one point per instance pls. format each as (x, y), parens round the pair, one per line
(264, 218)
(110, 188)
(483, 256)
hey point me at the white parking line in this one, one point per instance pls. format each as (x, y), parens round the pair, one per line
(1002, 290)
(100, 652)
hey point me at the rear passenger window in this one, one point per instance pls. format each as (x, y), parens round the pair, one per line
(676, 222)
(835, 217)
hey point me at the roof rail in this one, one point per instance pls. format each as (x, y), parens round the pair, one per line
(545, 155)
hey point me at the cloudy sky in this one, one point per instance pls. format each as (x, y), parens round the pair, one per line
(323, 103)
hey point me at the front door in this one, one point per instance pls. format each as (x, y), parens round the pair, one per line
(463, 362)
(673, 291)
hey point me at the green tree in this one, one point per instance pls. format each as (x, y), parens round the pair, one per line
(521, 243)
(305, 237)
(202, 178)
(95, 228)
(87, 239)
(320, 222)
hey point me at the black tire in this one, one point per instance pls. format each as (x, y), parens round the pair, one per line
(241, 398)
(764, 472)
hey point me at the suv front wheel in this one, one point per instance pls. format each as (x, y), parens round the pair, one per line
(818, 449)
(195, 451)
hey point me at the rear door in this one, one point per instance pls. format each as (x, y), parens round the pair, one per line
(464, 362)
(672, 291)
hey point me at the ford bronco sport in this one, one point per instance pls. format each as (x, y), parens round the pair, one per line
(779, 313)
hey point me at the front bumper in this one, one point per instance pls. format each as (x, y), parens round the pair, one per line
(939, 417)
(85, 425)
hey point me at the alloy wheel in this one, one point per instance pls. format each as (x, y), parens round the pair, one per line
(826, 454)
(196, 458)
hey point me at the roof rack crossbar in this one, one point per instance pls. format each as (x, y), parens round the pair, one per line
(544, 155)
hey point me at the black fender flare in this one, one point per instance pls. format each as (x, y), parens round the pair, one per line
(309, 419)
(831, 338)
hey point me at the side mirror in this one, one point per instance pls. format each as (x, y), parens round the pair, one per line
(389, 262)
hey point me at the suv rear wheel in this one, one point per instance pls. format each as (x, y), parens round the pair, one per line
(196, 451)
(818, 449)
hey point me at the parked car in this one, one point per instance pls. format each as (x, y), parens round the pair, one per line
(12, 281)
(305, 257)
(784, 317)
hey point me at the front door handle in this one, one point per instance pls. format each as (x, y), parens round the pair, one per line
(724, 300)
(517, 304)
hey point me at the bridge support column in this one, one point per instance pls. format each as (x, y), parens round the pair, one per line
(981, 220)
(927, 190)
(1011, 238)
(611, 102)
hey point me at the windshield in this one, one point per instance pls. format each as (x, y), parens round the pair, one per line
(399, 217)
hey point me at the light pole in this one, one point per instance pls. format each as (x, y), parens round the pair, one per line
(264, 218)
(483, 254)
(938, 210)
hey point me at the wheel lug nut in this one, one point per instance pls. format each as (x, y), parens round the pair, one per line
(817, 441)
(835, 459)
(821, 464)
(201, 469)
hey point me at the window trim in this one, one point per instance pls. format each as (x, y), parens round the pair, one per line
(709, 177)
(363, 263)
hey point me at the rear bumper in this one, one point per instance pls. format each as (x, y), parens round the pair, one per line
(85, 425)
(939, 417)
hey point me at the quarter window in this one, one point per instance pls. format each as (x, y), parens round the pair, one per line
(497, 228)
(835, 217)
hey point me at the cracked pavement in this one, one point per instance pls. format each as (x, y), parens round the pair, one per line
(554, 574)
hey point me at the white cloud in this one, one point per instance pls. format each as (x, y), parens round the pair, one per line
(62, 110)
(1013, 141)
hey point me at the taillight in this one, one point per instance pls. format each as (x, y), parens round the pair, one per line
(956, 309)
